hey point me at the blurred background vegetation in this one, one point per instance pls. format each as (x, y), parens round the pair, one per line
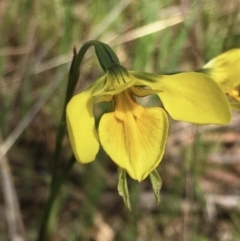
(200, 197)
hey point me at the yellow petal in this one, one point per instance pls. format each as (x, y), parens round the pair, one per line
(81, 127)
(225, 69)
(194, 97)
(135, 144)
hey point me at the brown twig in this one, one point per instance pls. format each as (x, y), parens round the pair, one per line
(13, 214)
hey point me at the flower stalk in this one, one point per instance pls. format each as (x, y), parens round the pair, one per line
(133, 136)
(58, 177)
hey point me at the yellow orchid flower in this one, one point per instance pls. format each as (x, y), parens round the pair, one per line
(132, 135)
(225, 69)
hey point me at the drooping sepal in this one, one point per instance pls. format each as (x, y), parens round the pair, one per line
(123, 187)
(156, 182)
(81, 127)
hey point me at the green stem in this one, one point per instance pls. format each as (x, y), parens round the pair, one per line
(51, 198)
(56, 181)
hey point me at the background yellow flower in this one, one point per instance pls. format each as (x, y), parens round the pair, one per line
(225, 69)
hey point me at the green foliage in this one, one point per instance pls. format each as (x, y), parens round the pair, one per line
(36, 47)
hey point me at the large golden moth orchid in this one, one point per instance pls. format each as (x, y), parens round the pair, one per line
(132, 135)
(225, 70)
